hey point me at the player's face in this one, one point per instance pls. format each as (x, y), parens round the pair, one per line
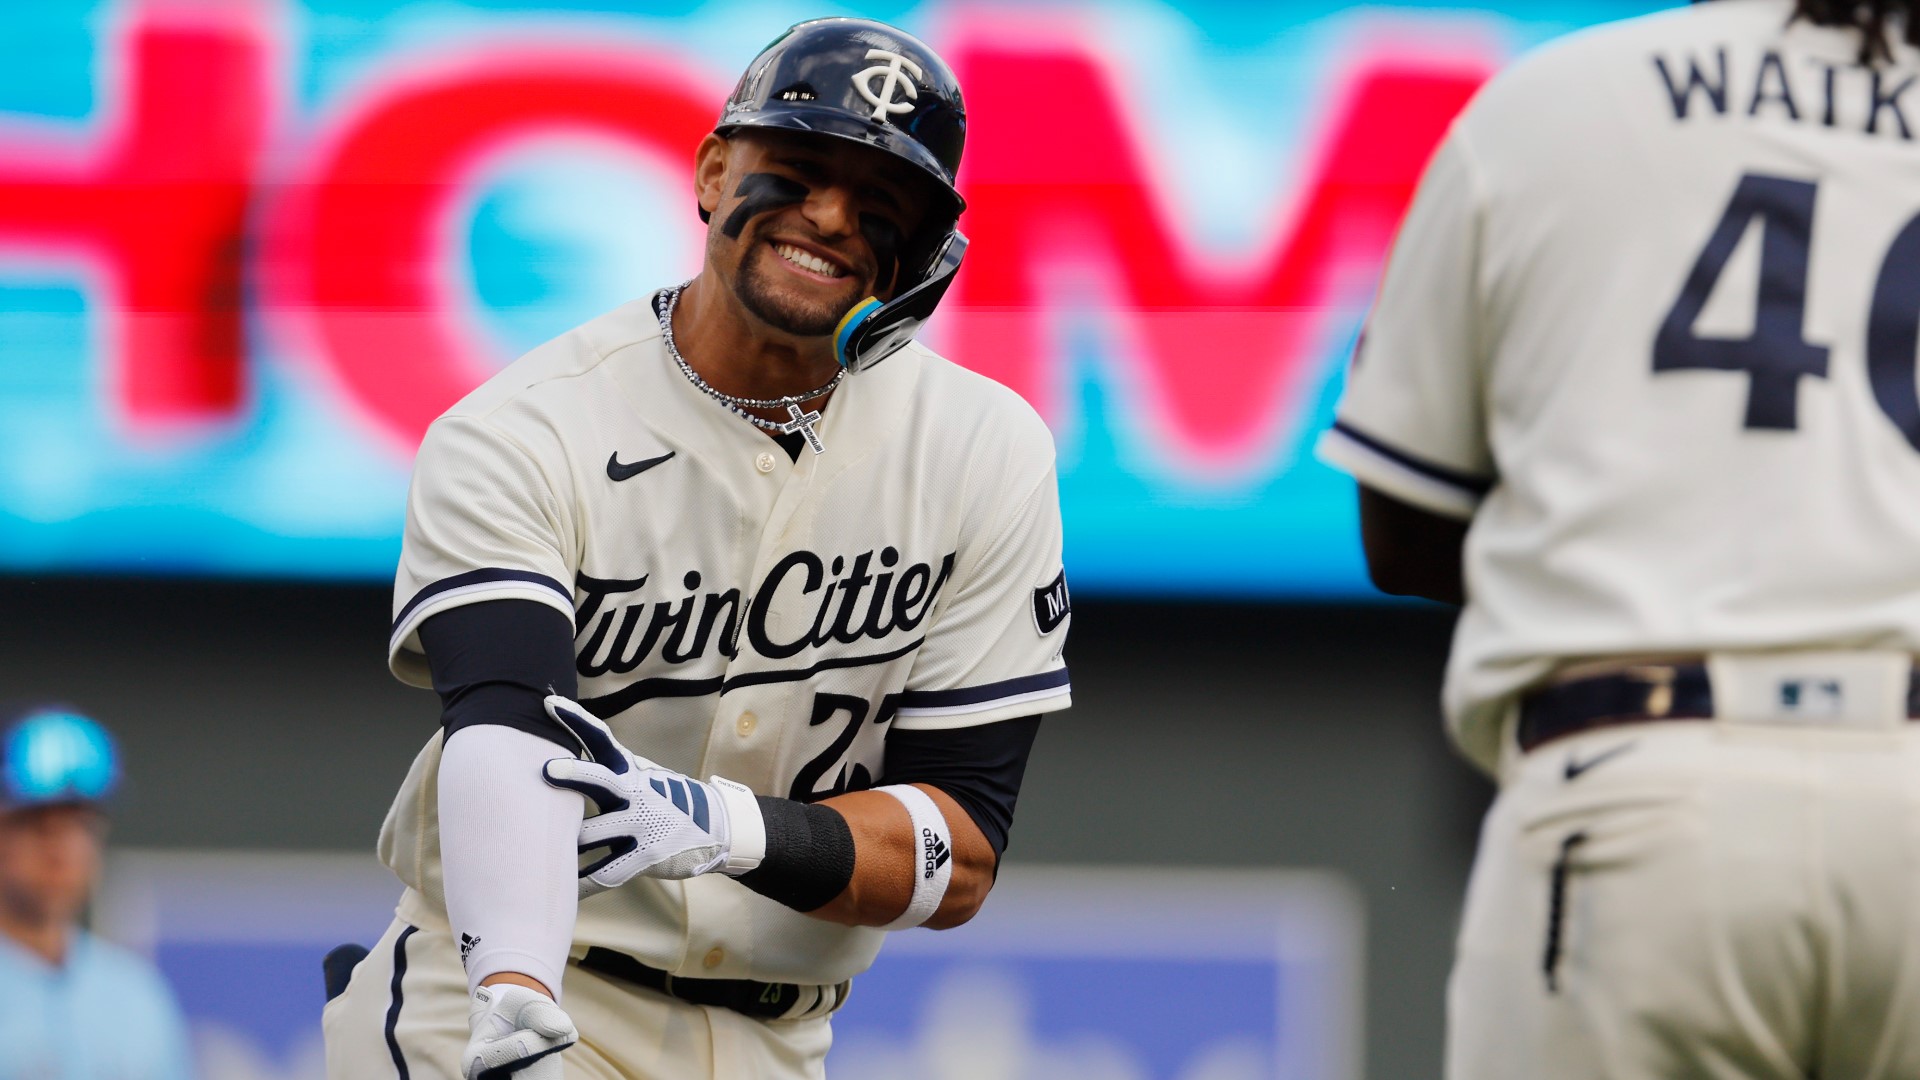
(49, 860)
(807, 227)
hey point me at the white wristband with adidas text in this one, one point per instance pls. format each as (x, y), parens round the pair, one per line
(933, 855)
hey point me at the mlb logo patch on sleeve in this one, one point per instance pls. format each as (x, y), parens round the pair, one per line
(1052, 604)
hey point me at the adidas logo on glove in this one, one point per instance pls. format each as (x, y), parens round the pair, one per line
(688, 798)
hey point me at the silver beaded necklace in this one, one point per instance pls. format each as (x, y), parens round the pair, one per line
(802, 421)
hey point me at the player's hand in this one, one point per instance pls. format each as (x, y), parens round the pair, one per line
(517, 1032)
(652, 821)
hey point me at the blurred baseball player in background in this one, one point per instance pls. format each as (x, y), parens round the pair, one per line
(1639, 389)
(848, 617)
(76, 1007)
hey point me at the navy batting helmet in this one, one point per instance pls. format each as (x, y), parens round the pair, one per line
(866, 82)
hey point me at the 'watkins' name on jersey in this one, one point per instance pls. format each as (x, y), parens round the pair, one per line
(867, 597)
(1807, 90)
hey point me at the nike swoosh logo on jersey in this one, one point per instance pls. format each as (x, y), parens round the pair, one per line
(618, 472)
(1575, 768)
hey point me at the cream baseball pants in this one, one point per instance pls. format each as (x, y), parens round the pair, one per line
(404, 1015)
(1709, 900)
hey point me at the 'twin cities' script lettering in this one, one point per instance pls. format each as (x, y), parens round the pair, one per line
(1807, 91)
(867, 597)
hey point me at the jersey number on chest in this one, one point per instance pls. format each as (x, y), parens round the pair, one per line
(1776, 355)
(859, 740)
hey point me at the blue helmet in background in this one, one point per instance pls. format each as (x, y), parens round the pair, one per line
(52, 754)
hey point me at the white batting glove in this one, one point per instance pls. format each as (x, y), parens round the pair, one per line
(652, 821)
(517, 1032)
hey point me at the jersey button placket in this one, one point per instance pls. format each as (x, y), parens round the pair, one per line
(746, 724)
(714, 958)
(764, 461)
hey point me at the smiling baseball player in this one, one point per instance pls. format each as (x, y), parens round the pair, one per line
(1647, 345)
(760, 624)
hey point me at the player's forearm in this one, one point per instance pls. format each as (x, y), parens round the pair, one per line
(902, 855)
(888, 858)
(856, 859)
(507, 843)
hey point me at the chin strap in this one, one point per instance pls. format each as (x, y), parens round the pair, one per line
(873, 331)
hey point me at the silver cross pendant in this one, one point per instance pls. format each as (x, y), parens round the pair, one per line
(803, 422)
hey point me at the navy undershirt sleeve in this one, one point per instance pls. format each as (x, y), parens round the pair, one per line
(495, 662)
(980, 767)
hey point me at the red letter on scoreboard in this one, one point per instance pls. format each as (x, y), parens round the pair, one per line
(158, 203)
(1219, 356)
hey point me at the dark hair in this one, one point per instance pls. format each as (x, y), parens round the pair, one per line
(1873, 18)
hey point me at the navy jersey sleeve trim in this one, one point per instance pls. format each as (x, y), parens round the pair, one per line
(481, 577)
(978, 698)
(1476, 485)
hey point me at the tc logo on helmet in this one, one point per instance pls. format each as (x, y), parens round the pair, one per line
(897, 71)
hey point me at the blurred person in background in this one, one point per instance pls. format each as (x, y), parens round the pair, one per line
(75, 1007)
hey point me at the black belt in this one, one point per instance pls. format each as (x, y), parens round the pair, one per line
(1635, 695)
(763, 1001)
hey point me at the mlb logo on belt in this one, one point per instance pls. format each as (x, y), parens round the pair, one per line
(1812, 697)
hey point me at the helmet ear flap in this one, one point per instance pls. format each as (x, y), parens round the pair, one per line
(873, 331)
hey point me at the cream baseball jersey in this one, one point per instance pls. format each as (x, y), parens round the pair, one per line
(1651, 324)
(737, 612)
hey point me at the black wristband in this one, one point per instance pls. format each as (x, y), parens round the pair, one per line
(809, 858)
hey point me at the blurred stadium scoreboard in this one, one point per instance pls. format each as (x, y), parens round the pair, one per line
(248, 250)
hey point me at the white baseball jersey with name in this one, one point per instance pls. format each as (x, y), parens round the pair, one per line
(1651, 323)
(739, 613)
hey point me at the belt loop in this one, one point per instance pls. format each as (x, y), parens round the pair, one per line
(821, 1004)
(1511, 750)
(1659, 679)
(840, 991)
(811, 1008)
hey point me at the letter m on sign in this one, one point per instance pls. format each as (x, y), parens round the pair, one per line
(1053, 171)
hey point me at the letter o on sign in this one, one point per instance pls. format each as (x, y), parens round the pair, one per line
(352, 248)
